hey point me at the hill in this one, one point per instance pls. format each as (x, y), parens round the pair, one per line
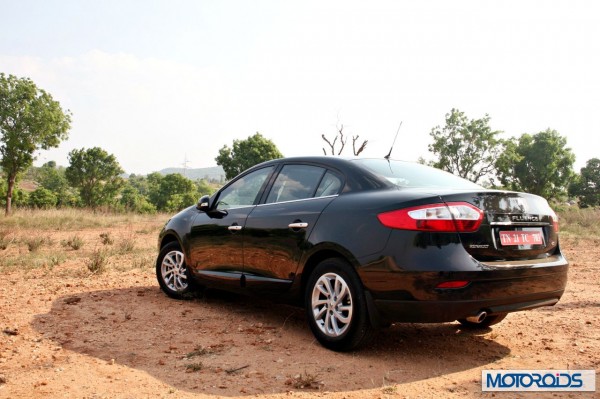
(214, 172)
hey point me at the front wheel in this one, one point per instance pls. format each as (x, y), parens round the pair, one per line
(172, 272)
(336, 307)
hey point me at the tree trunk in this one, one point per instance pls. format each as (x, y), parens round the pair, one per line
(9, 192)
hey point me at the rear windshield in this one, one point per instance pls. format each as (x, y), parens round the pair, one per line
(409, 174)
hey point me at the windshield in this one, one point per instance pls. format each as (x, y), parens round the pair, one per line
(409, 174)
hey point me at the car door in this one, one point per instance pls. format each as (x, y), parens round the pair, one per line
(216, 237)
(277, 230)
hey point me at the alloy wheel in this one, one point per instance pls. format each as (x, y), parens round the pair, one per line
(174, 271)
(331, 304)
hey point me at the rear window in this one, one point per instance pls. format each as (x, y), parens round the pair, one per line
(295, 182)
(409, 174)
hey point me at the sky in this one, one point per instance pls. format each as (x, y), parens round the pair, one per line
(166, 83)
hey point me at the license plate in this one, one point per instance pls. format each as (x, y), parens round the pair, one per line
(521, 237)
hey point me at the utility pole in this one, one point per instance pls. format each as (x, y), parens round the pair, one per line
(185, 165)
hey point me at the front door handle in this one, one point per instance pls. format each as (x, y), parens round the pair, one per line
(234, 227)
(298, 225)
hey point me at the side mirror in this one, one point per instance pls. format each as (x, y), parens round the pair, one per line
(203, 203)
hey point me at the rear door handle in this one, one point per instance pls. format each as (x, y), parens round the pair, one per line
(298, 225)
(234, 227)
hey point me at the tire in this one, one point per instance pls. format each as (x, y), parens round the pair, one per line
(172, 273)
(487, 322)
(336, 307)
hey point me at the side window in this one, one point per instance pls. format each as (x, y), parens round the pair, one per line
(295, 182)
(330, 185)
(243, 191)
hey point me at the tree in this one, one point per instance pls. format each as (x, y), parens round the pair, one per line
(96, 174)
(586, 186)
(171, 192)
(540, 164)
(140, 183)
(19, 197)
(30, 120)
(203, 188)
(245, 154)
(343, 140)
(467, 148)
(132, 200)
(52, 177)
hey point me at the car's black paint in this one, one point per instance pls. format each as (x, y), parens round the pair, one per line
(398, 269)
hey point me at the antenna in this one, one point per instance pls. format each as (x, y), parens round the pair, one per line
(390, 153)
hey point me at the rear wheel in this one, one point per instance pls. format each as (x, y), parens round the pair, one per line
(172, 272)
(336, 307)
(487, 322)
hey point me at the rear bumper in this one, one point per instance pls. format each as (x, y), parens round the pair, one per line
(444, 311)
(412, 296)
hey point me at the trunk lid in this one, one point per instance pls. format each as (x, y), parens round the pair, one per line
(516, 226)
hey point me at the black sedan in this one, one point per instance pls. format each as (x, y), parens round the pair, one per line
(361, 243)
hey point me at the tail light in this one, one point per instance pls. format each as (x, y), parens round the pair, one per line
(452, 217)
(554, 218)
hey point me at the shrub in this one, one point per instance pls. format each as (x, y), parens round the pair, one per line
(97, 262)
(34, 243)
(74, 243)
(42, 198)
(127, 244)
(106, 239)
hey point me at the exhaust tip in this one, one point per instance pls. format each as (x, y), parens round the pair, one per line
(478, 318)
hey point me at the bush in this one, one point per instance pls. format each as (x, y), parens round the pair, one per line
(74, 243)
(106, 239)
(42, 198)
(34, 243)
(97, 262)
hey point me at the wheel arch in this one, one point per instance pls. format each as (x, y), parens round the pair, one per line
(169, 237)
(327, 252)
(319, 255)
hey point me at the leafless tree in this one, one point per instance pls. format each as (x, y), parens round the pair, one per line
(361, 148)
(343, 139)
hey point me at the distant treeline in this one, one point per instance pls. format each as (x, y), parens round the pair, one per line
(48, 187)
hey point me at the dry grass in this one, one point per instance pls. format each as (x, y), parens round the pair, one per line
(127, 244)
(97, 262)
(71, 238)
(106, 239)
(74, 242)
(305, 381)
(75, 219)
(584, 223)
(193, 367)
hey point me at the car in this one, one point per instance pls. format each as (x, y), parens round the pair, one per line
(362, 243)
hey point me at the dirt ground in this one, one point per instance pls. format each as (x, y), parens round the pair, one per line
(67, 333)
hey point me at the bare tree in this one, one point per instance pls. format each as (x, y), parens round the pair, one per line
(340, 135)
(343, 140)
(361, 148)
